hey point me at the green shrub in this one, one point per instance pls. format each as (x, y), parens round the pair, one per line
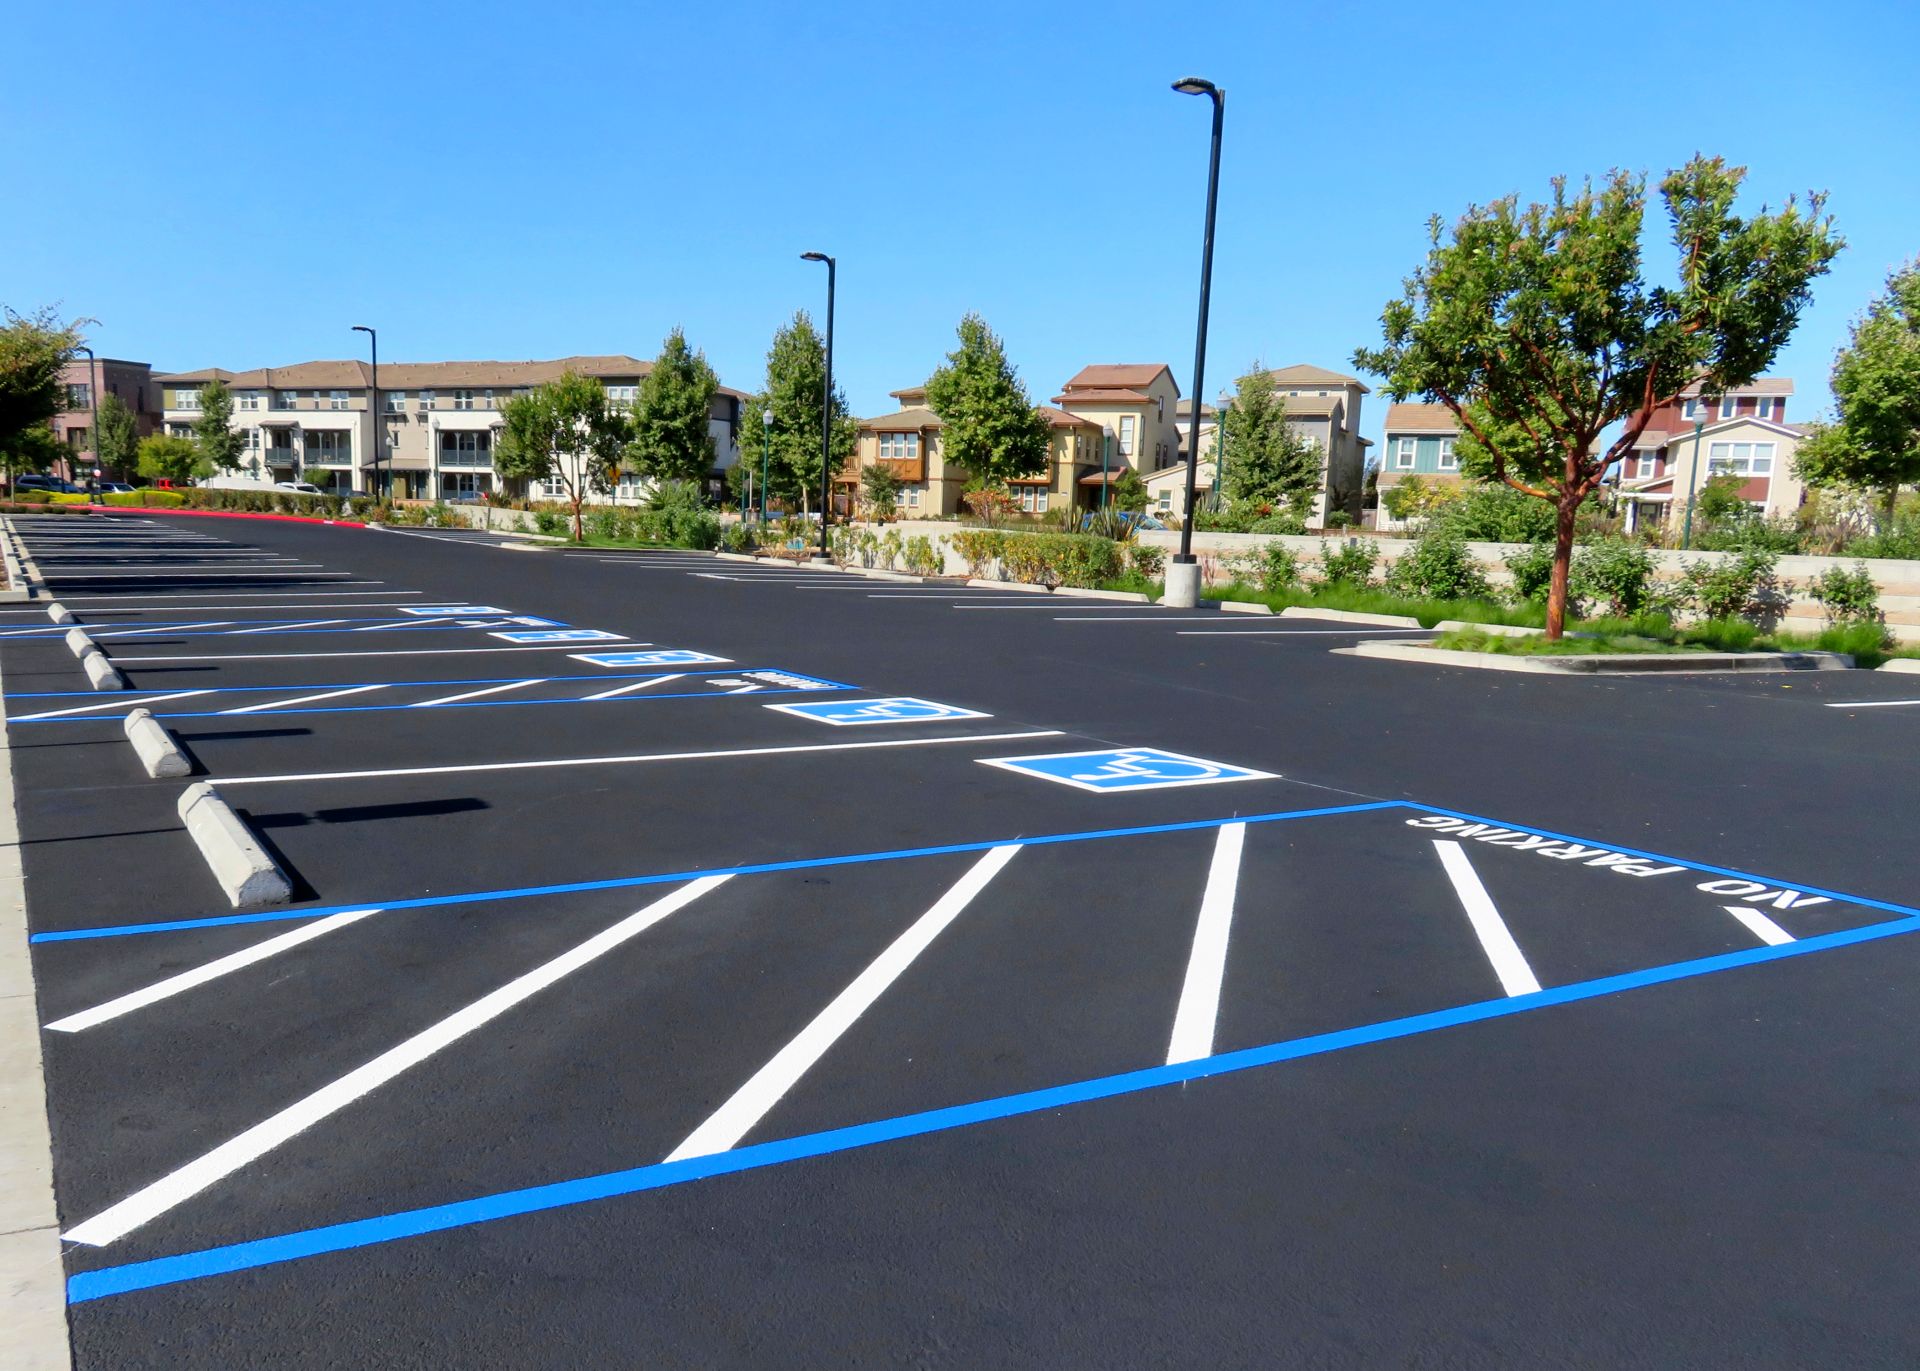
(1350, 564)
(1272, 567)
(1743, 585)
(1848, 597)
(1439, 566)
(1147, 562)
(1616, 573)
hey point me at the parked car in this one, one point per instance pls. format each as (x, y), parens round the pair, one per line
(299, 487)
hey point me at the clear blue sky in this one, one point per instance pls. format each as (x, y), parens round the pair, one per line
(236, 185)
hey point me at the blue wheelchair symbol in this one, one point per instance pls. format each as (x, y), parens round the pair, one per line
(1126, 768)
(899, 709)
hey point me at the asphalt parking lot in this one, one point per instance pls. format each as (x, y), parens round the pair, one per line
(710, 964)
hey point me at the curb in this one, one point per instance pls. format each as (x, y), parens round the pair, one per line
(1133, 597)
(1243, 607)
(1416, 650)
(100, 671)
(1347, 616)
(33, 1283)
(979, 584)
(159, 753)
(239, 863)
(59, 613)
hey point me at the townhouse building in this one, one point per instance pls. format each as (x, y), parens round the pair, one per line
(83, 384)
(433, 425)
(1743, 433)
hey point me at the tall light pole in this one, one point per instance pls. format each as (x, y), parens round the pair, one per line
(766, 456)
(826, 405)
(1183, 576)
(373, 340)
(93, 402)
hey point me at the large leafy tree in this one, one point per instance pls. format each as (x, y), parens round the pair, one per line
(33, 349)
(671, 437)
(219, 441)
(562, 431)
(1266, 462)
(166, 456)
(987, 423)
(119, 435)
(1537, 329)
(1875, 442)
(796, 372)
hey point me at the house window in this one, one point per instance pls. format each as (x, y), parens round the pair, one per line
(1448, 462)
(336, 399)
(396, 401)
(1126, 435)
(79, 395)
(463, 399)
(247, 399)
(1403, 454)
(1740, 459)
(899, 447)
(1727, 406)
(1766, 407)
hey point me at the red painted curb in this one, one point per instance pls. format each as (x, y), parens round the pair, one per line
(225, 514)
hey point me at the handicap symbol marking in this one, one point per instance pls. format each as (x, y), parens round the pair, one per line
(897, 709)
(421, 611)
(1127, 768)
(560, 635)
(664, 656)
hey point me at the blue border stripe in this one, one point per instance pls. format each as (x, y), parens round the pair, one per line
(623, 882)
(189, 1266)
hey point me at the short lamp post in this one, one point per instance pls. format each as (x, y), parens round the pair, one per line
(826, 404)
(1183, 575)
(373, 404)
(766, 456)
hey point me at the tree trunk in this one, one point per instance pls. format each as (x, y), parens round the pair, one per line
(1568, 510)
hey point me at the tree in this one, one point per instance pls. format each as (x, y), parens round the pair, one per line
(987, 423)
(882, 490)
(33, 349)
(119, 436)
(1266, 461)
(220, 442)
(1875, 444)
(165, 456)
(562, 431)
(796, 372)
(671, 437)
(1536, 328)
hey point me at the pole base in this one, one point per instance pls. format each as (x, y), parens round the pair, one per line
(1183, 585)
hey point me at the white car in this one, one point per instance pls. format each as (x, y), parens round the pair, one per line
(298, 487)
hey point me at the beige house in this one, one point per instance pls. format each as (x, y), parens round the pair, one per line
(908, 442)
(435, 424)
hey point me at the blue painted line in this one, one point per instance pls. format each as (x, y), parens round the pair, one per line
(626, 882)
(217, 1261)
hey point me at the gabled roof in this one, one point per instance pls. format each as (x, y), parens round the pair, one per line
(1302, 374)
(1120, 376)
(1761, 385)
(1408, 417)
(901, 421)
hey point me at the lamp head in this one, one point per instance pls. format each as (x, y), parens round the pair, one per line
(1195, 85)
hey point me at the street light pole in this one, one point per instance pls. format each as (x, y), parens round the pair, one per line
(373, 404)
(93, 402)
(1693, 480)
(1186, 593)
(826, 405)
(766, 455)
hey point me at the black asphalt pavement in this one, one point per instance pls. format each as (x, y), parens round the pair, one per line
(630, 1013)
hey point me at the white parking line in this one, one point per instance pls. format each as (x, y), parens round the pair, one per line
(718, 754)
(111, 704)
(200, 975)
(750, 1103)
(476, 694)
(1758, 924)
(1207, 963)
(179, 1186)
(1516, 977)
(302, 699)
(638, 685)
